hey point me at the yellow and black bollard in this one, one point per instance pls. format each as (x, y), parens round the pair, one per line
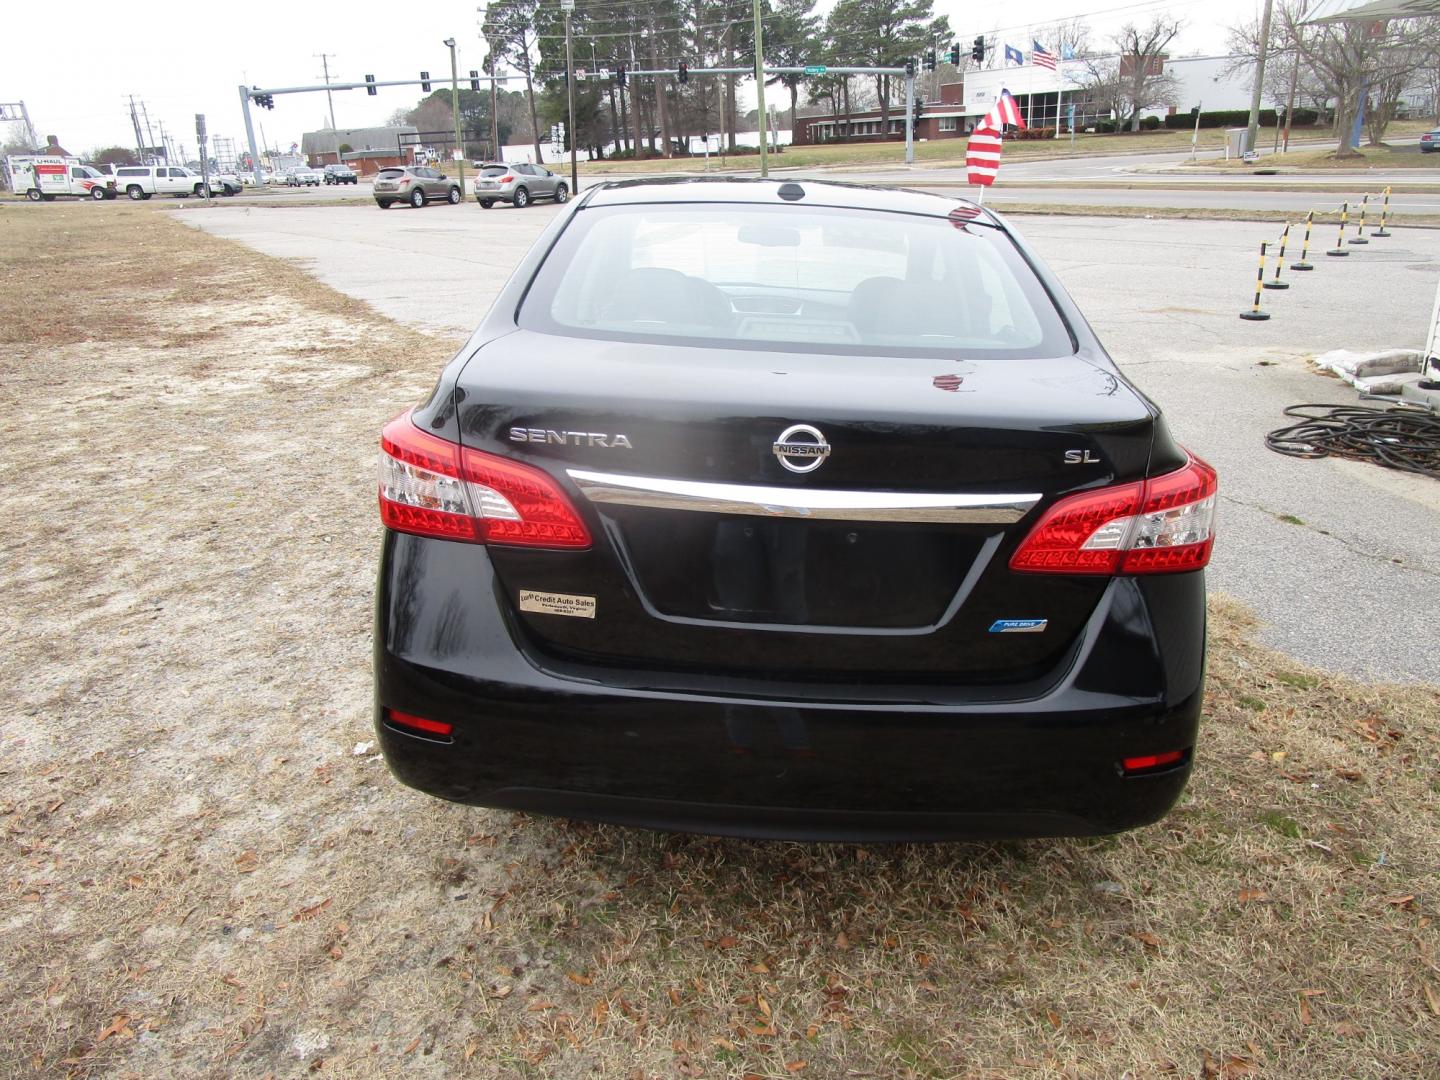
(1360, 229)
(1339, 249)
(1305, 247)
(1275, 282)
(1255, 314)
(1384, 214)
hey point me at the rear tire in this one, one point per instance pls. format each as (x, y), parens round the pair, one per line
(135, 192)
(522, 198)
(485, 204)
(33, 194)
(562, 194)
(146, 195)
(384, 204)
(455, 196)
(417, 198)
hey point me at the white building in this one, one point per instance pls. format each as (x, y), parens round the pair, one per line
(1045, 95)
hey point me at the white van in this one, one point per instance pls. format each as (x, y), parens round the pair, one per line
(38, 177)
(142, 181)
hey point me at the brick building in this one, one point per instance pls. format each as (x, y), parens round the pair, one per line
(943, 119)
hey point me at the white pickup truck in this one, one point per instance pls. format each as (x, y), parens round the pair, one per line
(143, 181)
(38, 177)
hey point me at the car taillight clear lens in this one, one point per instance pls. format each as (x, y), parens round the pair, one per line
(1161, 525)
(433, 487)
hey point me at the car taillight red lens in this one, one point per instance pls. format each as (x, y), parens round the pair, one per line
(506, 179)
(1152, 762)
(1161, 525)
(430, 486)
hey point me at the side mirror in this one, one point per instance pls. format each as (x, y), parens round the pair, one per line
(444, 177)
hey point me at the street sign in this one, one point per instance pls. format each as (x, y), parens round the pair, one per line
(815, 69)
(579, 74)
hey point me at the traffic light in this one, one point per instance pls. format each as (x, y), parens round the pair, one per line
(265, 101)
(425, 81)
(953, 56)
(474, 79)
(620, 74)
(930, 60)
(683, 72)
(977, 51)
(910, 68)
(915, 117)
(370, 85)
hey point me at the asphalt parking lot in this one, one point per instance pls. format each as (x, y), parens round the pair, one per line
(1339, 559)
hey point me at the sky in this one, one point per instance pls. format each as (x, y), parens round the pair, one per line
(76, 70)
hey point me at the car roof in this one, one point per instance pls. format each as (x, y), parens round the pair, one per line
(730, 189)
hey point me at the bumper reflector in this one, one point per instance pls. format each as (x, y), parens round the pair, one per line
(418, 723)
(1148, 763)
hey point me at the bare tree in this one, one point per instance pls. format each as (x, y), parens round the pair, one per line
(1342, 63)
(1134, 80)
(1072, 34)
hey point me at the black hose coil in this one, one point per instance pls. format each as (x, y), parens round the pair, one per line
(1398, 438)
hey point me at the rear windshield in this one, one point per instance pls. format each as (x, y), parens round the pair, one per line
(390, 174)
(494, 170)
(810, 279)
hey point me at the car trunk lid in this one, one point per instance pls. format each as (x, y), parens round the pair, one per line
(884, 558)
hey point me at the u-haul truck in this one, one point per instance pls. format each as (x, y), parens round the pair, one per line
(39, 178)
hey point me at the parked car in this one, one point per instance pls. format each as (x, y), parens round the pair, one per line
(226, 184)
(519, 184)
(791, 510)
(302, 178)
(340, 174)
(143, 181)
(415, 184)
(1430, 141)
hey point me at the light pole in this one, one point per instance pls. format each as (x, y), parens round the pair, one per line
(760, 91)
(455, 108)
(569, 6)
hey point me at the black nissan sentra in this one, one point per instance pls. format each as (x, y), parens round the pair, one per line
(791, 510)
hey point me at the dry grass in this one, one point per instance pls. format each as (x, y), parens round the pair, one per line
(203, 879)
(1324, 160)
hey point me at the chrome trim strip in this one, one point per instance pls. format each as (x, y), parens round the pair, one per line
(816, 504)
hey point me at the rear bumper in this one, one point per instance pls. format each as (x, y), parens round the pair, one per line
(816, 762)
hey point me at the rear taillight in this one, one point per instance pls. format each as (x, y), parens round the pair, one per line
(1161, 525)
(438, 728)
(430, 486)
(506, 179)
(1149, 763)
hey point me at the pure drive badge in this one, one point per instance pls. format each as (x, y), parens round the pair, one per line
(1018, 626)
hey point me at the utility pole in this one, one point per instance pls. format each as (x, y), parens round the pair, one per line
(325, 65)
(455, 107)
(139, 139)
(149, 135)
(1252, 133)
(569, 6)
(760, 91)
(495, 148)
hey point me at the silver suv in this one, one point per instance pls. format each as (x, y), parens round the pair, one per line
(414, 184)
(518, 183)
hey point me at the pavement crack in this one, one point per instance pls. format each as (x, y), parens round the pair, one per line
(1291, 519)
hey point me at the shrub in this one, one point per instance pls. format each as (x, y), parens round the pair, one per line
(1150, 123)
(1032, 134)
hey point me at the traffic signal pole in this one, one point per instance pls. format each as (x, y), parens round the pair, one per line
(250, 138)
(760, 93)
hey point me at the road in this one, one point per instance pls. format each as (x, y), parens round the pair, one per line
(1339, 559)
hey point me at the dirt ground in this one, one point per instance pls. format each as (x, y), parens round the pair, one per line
(208, 873)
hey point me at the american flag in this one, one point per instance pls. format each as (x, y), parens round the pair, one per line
(982, 153)
(1042, 57)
